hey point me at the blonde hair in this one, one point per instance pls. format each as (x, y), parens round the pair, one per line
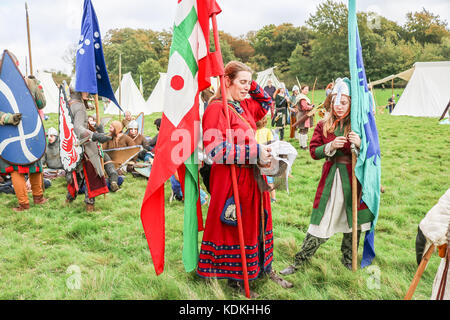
(331, 119)
(231, 70)
(261, 123)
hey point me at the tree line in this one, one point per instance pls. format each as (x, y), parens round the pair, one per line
(318, 49)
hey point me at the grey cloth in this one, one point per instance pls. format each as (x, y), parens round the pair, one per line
(80, 123)
(52, 156)
(111, 171)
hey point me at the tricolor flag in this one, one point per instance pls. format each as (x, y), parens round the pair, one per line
(90, 67)
(190, 67)
(368, 165)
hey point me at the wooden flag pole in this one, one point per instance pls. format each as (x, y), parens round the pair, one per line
(354, 215)
(97, 113)
(29, 39)
(233, 171)
(419, 272)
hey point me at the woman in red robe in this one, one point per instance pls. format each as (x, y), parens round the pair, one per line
(220, 255)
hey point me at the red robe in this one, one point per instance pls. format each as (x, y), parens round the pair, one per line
(220, 255)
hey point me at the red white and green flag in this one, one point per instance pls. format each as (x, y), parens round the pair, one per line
(191, 65)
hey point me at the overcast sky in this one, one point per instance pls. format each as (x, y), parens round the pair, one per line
(55, 25)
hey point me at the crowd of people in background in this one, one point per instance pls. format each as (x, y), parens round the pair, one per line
(250, 108)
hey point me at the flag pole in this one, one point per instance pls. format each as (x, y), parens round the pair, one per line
(233, 170)
(29, 39)
(354, 214)
(97, 113)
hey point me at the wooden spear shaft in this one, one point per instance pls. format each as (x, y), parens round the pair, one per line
(29, 39)
(233, 171)
(120, 83)
(419, 272)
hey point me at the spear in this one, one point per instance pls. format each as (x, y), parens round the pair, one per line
(419, 272)
(120, 82)
(29, 39)
(233, 170)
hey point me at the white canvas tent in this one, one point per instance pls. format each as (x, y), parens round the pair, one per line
(51, 91)
(263, 76)
(427, 92)
(131, 98)
(405, 75)
(155, 102)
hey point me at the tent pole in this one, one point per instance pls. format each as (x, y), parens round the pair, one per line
(445, 111)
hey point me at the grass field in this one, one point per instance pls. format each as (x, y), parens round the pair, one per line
(43, 250)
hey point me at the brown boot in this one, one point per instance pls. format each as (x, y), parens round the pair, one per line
(22, 207)
(39, 199)
(279, 280)
(237, 285)
(89, 207)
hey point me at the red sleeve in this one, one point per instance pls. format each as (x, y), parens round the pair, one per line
(317, 143)
(259, 103)
(304, 105)
(215, 142)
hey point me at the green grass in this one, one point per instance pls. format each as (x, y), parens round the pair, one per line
(38, 246)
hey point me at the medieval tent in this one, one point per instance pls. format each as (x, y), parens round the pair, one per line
(155, 102)
(268, 74)
(130, 98)
(427, 92)
(51, 91)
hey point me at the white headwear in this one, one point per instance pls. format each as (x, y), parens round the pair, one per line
(133, 125)
(52, 132)
(341, 86)
(295, 88)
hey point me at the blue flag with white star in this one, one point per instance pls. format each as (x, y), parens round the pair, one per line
(90, 68)
(368, 165)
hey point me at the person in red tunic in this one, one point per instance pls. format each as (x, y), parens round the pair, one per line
(220, 255)
(332, 207)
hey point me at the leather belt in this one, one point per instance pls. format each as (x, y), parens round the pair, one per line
(341, 159)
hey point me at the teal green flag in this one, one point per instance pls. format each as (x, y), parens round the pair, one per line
(368, 166)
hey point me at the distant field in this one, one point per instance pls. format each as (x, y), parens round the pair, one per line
(44, 249)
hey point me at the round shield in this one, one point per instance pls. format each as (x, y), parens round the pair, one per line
(25, 143)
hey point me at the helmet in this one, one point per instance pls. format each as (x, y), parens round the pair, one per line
(52, 132)
(133, 125)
